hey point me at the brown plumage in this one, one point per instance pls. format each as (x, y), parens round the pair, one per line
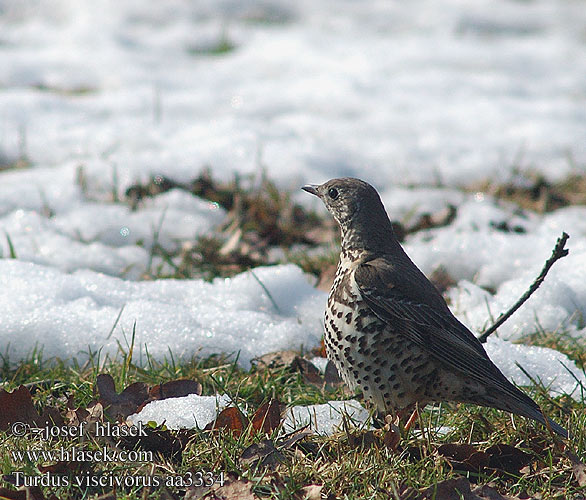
(389, 331)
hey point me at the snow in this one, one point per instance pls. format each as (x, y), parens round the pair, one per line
(419, 98)
(546, 366)
(188, 412)
(327, 418)
(194, 411)
(459, 92)
(71, 315)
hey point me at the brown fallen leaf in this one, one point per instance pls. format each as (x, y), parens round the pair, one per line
(464, 457)
(264, 454)
(233, 489)
(28, 493)
(277, 359)
(230, 418)
(290, 440)
(308, 370)
(268, 417)
(61, 467)
(331, 375)
(363, 440)
(310, 492)
(578, 468)
(175, 389)
(486, 492)
(391, 439)
(17, 406)
(196, 492)
(123, 404)
(157, 440)
(93, 413)
(451, 489)
(507, 458)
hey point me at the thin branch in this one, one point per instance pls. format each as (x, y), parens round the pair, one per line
(558, 252)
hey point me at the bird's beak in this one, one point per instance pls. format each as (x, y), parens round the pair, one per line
(311, 188)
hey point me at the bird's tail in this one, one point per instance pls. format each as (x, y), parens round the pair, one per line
(519, 403)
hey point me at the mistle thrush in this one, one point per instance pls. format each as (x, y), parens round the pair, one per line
(387, 328)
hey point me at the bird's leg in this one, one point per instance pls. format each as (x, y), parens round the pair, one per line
(413, 411)
(414, 416)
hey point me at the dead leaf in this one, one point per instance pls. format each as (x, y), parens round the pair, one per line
(175, 389)
(233, 489)
(268, 417)
(93, 413)
(291, 439)
(507, 458)
(391, 439)
(408, 493)
(578, 467)
(331, 375)
(230, 418)
(364, 440)
(28, 493)
(196, 492)
(264, 454)
(451, 489)
(51, 416)
(276, 359)
(311, 492)
(464, 457)
(123, 404)
(486, 492)
(61, 467)
(157, 440)
(308, 370)
(17, 406)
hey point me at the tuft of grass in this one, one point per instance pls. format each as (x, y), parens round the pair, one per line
(532, 191)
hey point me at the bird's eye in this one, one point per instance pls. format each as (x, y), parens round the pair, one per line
(333, 193)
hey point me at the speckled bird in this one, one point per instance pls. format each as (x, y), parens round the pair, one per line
(387, 328)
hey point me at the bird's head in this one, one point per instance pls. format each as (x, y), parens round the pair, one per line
(358, 210)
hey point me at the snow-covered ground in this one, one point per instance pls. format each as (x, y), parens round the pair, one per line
(397, 93)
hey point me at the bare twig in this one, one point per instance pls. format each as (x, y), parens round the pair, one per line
(558, 252)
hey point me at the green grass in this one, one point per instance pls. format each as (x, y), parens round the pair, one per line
(343, 467)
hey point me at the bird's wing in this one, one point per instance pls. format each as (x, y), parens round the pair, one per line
(397, 292)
